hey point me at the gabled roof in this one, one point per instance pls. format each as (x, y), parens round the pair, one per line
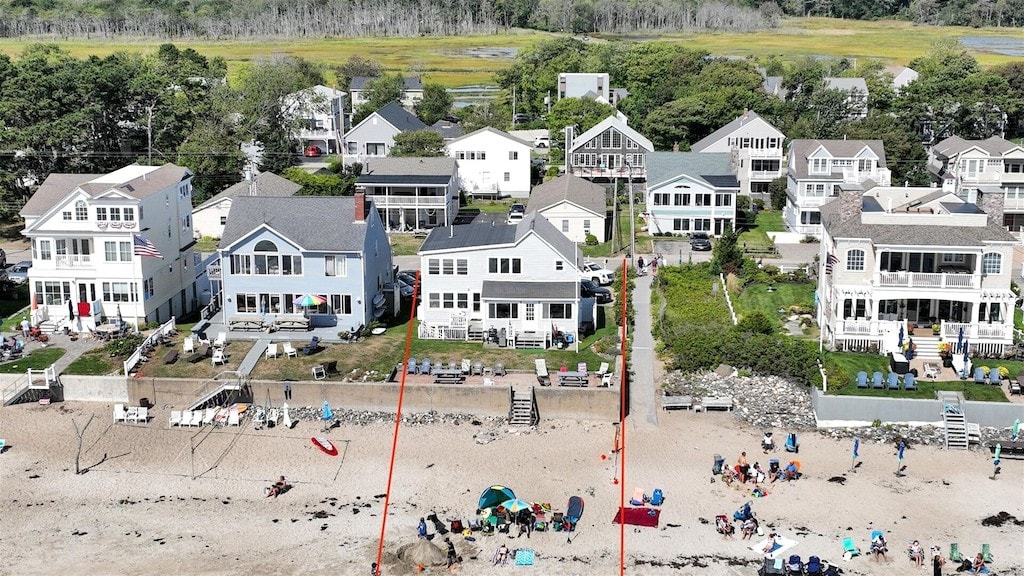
(712, 168)
(399, 117)
(724, 131)
(402, 170)
(408, 83)
(267, 184)
(447, 129)
(315, 223)
(581, 192)
(846, 84)
(800, 150)
(133, 181)
(497, 235)
(618, 124)
(773, 85)
(493, 131)
(993, 145)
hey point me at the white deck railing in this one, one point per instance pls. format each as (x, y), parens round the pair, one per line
(928, 280)
(149, 342)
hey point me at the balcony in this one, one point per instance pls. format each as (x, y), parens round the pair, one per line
(880, 175)
(982, 177)
(982, 331)
(637, 173)
(864, 327)
(73, 261)
(764, 174)
(927, 280)
(403, 201)
(1014, 204)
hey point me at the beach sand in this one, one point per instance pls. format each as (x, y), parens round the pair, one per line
(138, 509)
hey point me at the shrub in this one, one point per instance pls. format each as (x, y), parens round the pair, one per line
(1004, 372)
(123, 347)
(591, 240)
(756, 323)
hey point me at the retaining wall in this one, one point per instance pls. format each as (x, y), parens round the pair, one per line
(578, 403)
(844, 410)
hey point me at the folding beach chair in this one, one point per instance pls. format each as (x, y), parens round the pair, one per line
(541, 369)
(986, 553)
(849, 548)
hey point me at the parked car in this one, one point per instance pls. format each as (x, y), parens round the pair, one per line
(313, 151)
(517, 207)
(596, 273)
(514, 218)
(405, 290)
(542, 142)
(19, 272)
(407, 276)
(589, 289)
(700, 241)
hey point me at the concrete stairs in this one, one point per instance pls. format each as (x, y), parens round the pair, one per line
(927, 347)
(522, 412)
(955, 420)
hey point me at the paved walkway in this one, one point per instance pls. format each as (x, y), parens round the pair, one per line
(253, 356)
(643, 404)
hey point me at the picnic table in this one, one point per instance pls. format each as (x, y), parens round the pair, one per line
(245, 322)
(578, 379)
(291, 321)
(447, 376)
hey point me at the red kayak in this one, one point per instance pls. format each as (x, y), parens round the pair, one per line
(324, 444)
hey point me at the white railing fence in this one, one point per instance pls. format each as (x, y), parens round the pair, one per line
(149, 342)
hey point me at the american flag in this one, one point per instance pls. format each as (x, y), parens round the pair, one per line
(831, 261)
(144, 247)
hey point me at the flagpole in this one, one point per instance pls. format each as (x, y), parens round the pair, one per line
(139, 292)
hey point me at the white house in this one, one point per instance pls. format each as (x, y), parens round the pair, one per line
(320, 111)
(374, 137)
(492, 163)
(412, 192)
(609, 150)
(590, 85)
(901, 76)
(857, 94)
(966, 166)
(573, 205)
(209, 218)
(894, 256)
(85, 230)
(517, 286)
(817, 168)
(412, 91)
(690, 192)
(757, 151)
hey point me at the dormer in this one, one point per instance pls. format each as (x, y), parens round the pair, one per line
(819, 162)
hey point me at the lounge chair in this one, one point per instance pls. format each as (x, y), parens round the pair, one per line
(453, 366)
(188, 345)
(931, 370)
(425, 366)
(175, 419)
(979, 375)
(208, 417)
(862, 379)
(909, 382)
(478, 368)
(272, 350)
(412, 367)
(657, 497)
(894, 381)
(466, 366)
(312, 347)
(197, 418)
(602, 369)
(581, 367)
(876, 381)
(289, 350)
(186, 418)
(993, 377)
(986, 553)
(319, 372)
(606, 379)
(541, 369)
(141, 414)
(849, 548)
(233, 418)
(330, 367)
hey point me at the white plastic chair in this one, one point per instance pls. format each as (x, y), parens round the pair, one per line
(189, 345)
(602, 369)
(272, 350)
(233, 419)
(186, 418)
(120, 413)
(289, 350)
(197, 418)
(319, 373)
(222, 339)
(211, 413)
(175, 419)
(218, 357)
(141, 414)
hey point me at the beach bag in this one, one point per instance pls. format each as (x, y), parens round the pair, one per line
(456, 526)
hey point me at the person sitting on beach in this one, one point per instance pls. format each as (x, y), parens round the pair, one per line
(724, 527)
(790, 472)
(916, 554)
(758, 474)
(501, 555)
(749, 528)
(770, 545)
(277, 488)
(878, 547)
(978, 566)
(728, 476)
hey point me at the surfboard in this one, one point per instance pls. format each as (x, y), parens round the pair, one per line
(324, 444)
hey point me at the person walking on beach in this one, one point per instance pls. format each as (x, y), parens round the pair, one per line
(287, 390)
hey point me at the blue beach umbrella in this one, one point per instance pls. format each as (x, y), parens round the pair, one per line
(856, 448)
(328, 415)
(903, 446)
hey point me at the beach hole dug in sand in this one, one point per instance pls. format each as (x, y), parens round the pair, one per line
(422, 553)
(1000, 519)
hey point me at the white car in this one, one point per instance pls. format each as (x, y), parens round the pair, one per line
(514, 218)
(597, 273)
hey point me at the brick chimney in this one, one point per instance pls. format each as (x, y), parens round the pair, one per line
(851, 200)
(360, 202)
(991, 203)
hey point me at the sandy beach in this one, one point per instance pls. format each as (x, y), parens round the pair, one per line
(138, 509)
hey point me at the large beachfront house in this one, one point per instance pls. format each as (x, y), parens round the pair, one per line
(608, 151)
(492, 163)
(573, 205)
(690, 192)
(209, 218)
(817, 168)
(374, 137)
(757, 151)
(87, 232)
(276, 250)
(897, 255)
(412, 192)
(967, 166)
(321, 114)
(515, 285)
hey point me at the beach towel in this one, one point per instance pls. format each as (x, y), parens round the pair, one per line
(781, 545)
(524, 557)
(639, 516)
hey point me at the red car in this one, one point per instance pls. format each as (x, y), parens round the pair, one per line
(313, 151)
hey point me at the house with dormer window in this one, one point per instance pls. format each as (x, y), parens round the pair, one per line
(690, 192)
(374, 137)
(967, 166)
(83, 230)
(817, 169)
(609, 150)
(757, 151)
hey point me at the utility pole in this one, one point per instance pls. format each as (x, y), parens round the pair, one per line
(149, 133)
(632, 218)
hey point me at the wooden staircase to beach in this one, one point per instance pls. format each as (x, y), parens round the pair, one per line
(34, 386)
(523, 410)
(955, 420)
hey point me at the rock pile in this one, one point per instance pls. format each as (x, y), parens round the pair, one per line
(761, 401)
(893, 433)
(365, 417)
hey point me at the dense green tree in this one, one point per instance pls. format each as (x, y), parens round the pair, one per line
(580, 113)
(777, 192)
(435, 105)
(418, 143)
(905, 155)
(495, 115)
(1013, 73)
(356, 66)
(378, 94)
(339, 181)
(726, 256)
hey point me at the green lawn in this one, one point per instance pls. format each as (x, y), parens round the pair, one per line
(13, 309)
(207, 244)
(36, 360)
(767, 221)
(844, 381)
(757, 297)
(405, 243)
(480, 206)
(96, 363)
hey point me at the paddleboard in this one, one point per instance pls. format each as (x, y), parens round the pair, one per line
(324, 444)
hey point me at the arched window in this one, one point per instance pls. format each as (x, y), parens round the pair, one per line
(81, 210)
(265, 246)
(992, 263)
(855, 260)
